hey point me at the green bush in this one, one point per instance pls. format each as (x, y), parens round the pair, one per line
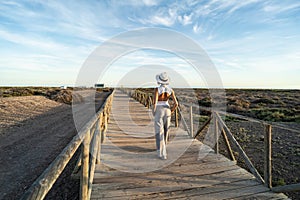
(206, 102)
(263, 101)
(275, 114)
(279, 182)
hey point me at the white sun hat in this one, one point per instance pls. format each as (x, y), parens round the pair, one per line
(162, 78)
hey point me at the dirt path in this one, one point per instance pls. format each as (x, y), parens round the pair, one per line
(33, 131)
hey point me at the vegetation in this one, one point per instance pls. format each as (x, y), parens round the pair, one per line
(267, 105)
(53, 93)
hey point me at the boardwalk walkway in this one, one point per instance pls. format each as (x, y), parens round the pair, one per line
(130, 168)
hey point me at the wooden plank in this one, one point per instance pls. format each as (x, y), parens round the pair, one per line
(164, 190)
(143, 181)
(210, 159)
(167, 174)
(263, 196)
(141, 164)
(230, 191)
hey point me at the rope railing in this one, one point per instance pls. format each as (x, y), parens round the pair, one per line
(90, 138)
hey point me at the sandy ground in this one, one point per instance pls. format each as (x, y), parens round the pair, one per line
(33, 131)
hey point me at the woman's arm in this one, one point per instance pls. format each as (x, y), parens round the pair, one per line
(175, 102)
(155, 99)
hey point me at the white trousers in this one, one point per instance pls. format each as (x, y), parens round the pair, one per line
(162, 120)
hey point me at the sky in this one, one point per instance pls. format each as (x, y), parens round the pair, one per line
(252, 43)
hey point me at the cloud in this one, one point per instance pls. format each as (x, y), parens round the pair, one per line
(185, 19)
(150, 2)
(30, 41)
(240, 4)
(197, 28)
(277, 8)
(256, 32)
(163, 18)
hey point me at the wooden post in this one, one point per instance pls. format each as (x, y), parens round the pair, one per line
(230, 152)
(105, 125)
(84, 174)
(191, 122)
(95, 147)
(216, 133)
(148, 101)
(77, 166)
(268, 156)
(99, 137)
(176, 117)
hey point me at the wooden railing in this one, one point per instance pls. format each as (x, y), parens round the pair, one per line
(90, 138)
(229, 139)
(221, 127)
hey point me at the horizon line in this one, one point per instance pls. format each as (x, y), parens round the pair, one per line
(180, 87)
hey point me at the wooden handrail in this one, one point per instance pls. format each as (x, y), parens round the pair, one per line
(45, 181)
(250, 119)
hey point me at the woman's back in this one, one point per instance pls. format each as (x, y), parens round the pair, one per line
(164, 92)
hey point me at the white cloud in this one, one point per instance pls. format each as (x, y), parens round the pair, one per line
(272, 8)
(161, 20)
(150, 2)
(30, 41)
(185, 19)
(161, 17)
(63, 31)
(240, 4)
(197, 28)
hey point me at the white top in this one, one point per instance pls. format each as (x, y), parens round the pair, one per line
(164, 89)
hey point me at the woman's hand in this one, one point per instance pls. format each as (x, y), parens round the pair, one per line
(173, 109)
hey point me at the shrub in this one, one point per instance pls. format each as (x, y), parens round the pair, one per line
(279, 182)
(206, 102)
(263, 101)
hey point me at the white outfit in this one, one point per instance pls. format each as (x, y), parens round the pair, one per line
(162, 121)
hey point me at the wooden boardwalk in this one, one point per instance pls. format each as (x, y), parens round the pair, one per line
(130, 168)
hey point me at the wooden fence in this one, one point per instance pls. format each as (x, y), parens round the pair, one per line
(221, 127)
(90, 138)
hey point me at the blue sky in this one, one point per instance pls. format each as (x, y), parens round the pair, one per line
(252, 43)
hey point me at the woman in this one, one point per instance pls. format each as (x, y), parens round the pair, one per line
(162, 112)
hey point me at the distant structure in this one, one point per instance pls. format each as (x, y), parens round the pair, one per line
(101, 85)
(63, 87)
